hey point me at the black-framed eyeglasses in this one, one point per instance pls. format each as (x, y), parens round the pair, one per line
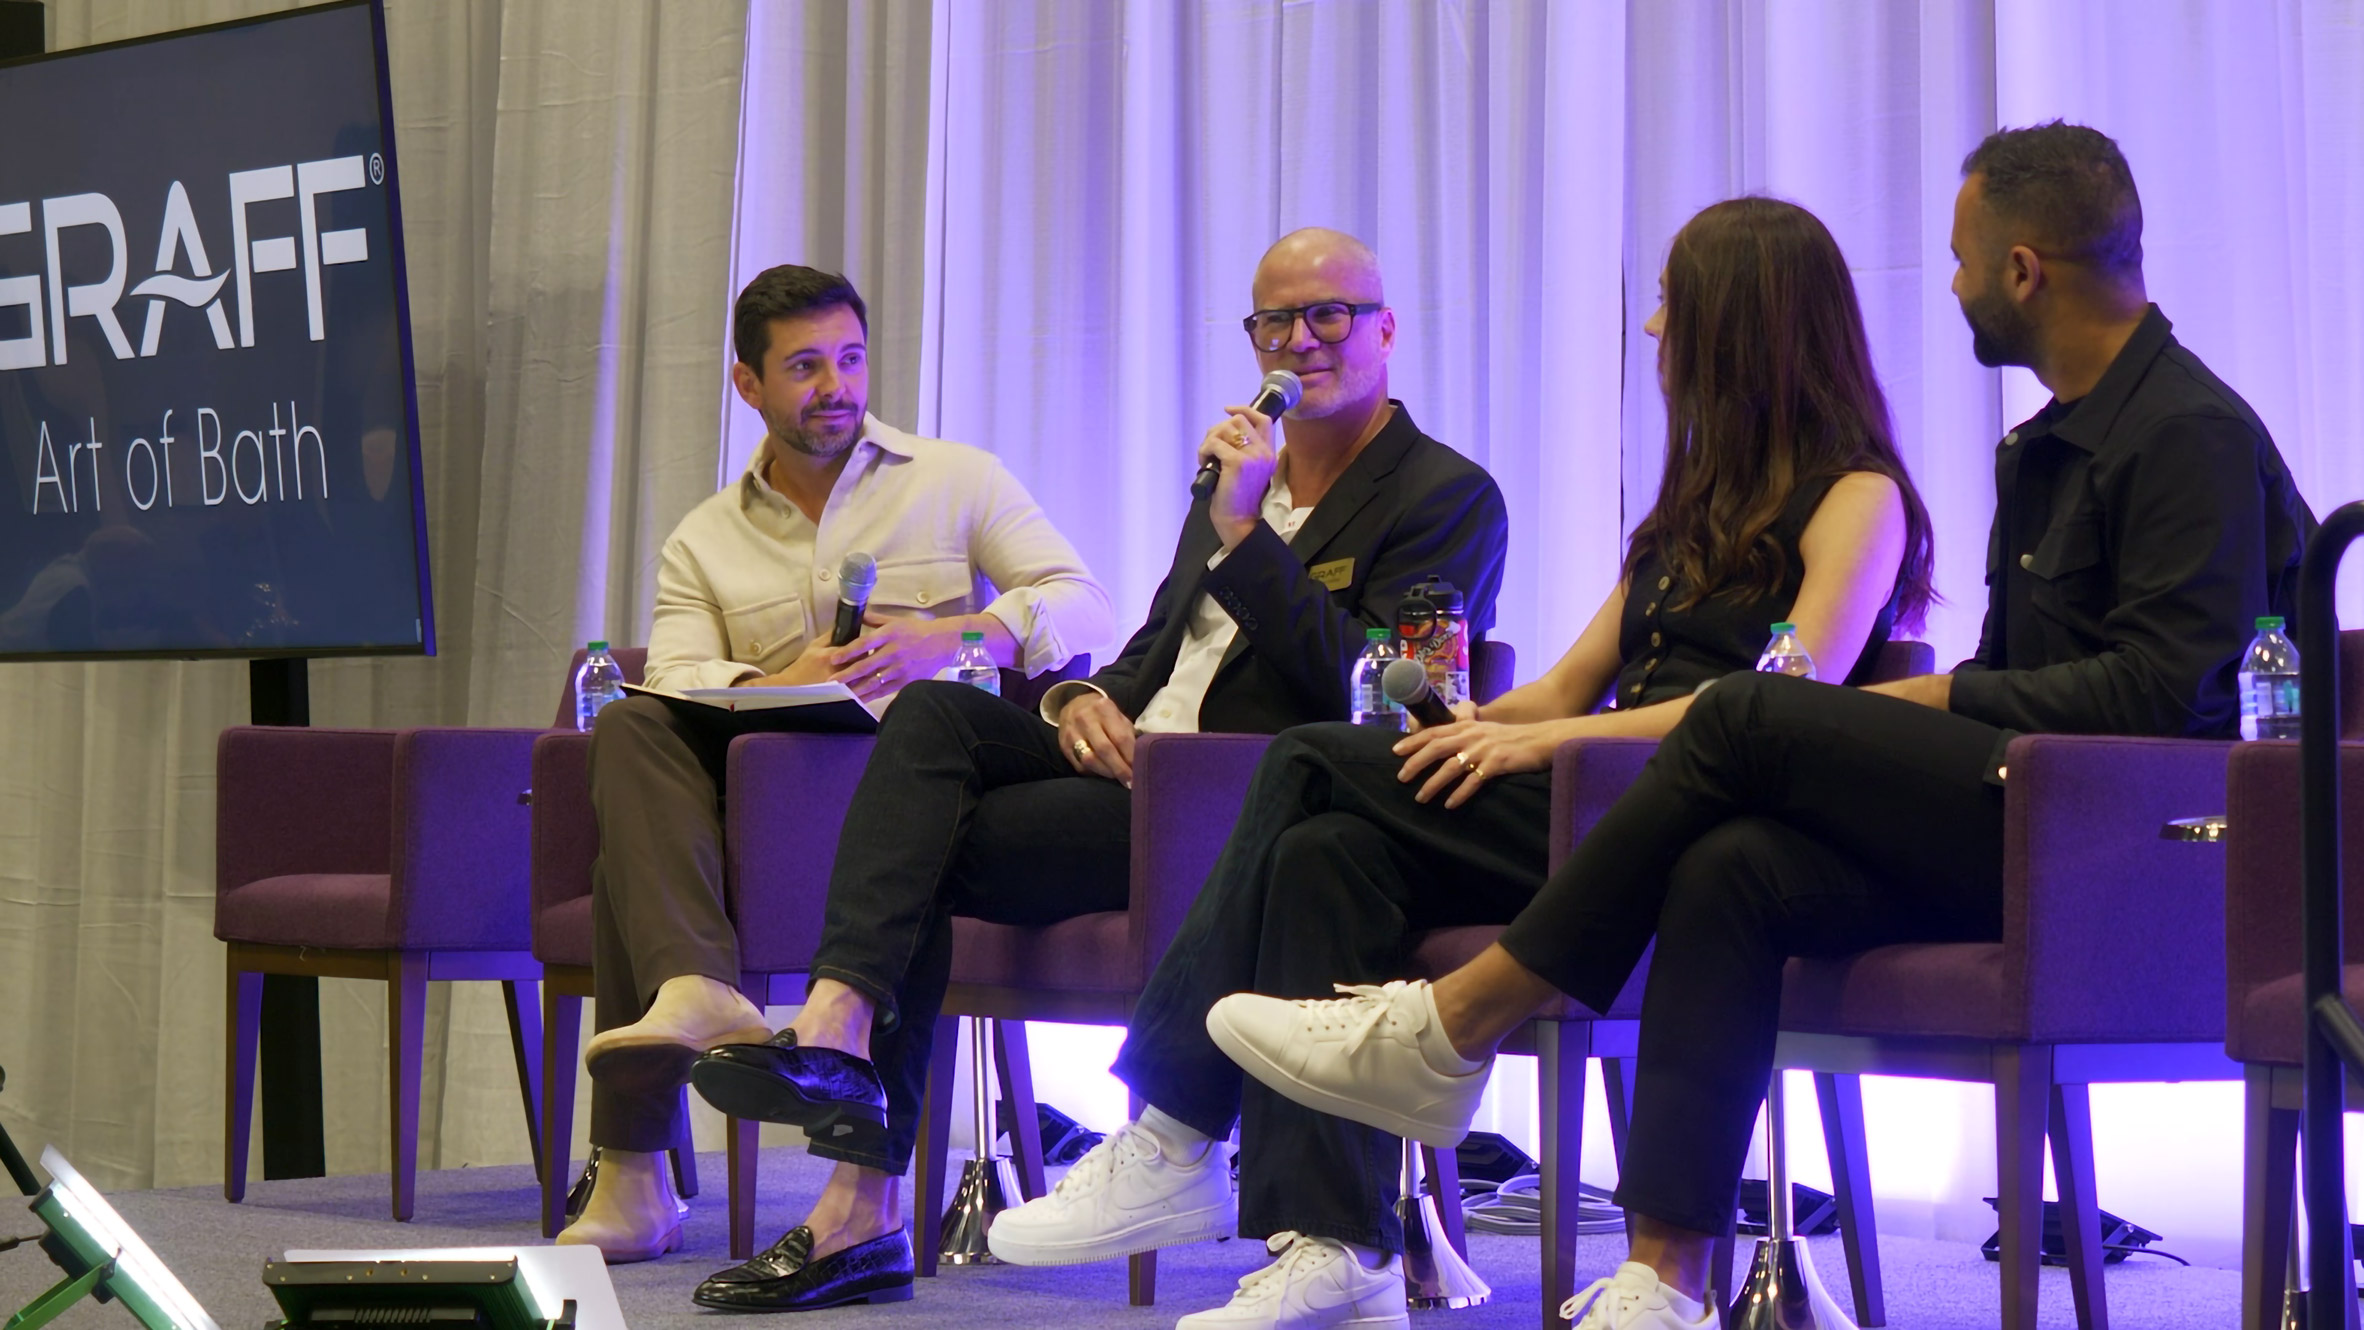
(1329, 321)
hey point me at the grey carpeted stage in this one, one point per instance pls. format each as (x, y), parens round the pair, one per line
(218, 1250)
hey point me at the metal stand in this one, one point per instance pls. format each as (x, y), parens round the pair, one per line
(987, 1181)
(1435, 1276)
(295, 1145)
(1782, 1292)
(65, 1293)
(10, 1161)
(2335, 1039)
(2294, 1294)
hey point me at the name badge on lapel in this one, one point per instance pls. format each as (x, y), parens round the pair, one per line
(1337, 574)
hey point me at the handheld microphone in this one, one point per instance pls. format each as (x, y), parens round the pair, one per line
(855, 577)
(1406, 684)
(1280, 391)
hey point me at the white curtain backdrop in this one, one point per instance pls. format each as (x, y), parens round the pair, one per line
(1100, 177)
(1054, 207)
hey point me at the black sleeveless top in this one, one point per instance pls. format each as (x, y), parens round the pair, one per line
(1669, 653)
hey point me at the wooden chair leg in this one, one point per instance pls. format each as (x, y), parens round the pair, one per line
(1017, 1088)
(244, 1032)
(1441, 1175)
(1841, 1098)
(2023, 1096)
(935, 1143)
(562, 1032)
(2269, 1167)
(1617, 1088)
(1141, 1270)
(1559, 1074)
(741, 1152)
(2071, 1130)
(406, 1043)
(525, 1046)
(685, 1150)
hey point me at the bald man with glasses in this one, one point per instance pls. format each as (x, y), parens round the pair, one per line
(973, 806)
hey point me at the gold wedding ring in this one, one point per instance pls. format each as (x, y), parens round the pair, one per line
(1082, 750)
(1471, 767)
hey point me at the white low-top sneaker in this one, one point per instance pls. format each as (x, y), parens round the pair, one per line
(1312, 1284)
(1125, 1196)
(1631, 1299)
(1356, 1057)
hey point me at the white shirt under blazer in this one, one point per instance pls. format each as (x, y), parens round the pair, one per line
(747, 580)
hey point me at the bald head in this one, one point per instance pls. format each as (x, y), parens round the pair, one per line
(1317, 256)
(1343, 362)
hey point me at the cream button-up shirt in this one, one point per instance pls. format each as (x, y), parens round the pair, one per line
(747, 580)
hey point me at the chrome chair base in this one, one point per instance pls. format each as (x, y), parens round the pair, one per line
(1435, 1276)
(987, 1187)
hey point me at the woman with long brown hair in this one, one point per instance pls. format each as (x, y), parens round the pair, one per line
(1783, 500)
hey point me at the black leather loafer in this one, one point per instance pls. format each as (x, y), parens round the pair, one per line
(784, 1278)
(834, 1096)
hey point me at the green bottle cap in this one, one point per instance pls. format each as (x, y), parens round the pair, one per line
(2271, 623)
(1376, 634)
(598, 646)
(972, 637)
(1781, 628)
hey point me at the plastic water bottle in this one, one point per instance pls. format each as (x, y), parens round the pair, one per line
(1370, 703)
(974, 665)
(2269, 684)
(599, 682)
(1783, 655)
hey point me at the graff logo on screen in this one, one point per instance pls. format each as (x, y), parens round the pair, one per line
(51, 301)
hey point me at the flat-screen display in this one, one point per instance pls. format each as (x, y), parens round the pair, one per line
(207, 416)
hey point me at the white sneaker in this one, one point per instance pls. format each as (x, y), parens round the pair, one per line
(1356, 1057)
(1314, 1283)
(1123, 1197)
(1631, 1299)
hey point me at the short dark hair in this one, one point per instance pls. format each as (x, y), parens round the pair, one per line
(783, 293)
(2071, 184)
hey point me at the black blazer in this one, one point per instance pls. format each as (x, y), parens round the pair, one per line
(1406, 509)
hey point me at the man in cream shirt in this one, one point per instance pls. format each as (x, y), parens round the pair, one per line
(746, 594)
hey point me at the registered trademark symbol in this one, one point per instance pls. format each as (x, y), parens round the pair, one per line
(377, 169)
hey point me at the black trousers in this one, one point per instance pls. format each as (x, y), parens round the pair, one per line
(966, 807)
(1780, 818)
(1330, 870)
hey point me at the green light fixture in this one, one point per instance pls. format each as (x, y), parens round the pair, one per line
(102, 1259)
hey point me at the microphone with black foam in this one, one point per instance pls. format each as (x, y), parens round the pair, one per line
(1406, 684)
(855, 577)
(1280, 391)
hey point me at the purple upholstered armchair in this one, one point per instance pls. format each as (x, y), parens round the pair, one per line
(788, 797)
(565, 841)
(1187, 791)
(2264, 1030)
(2114, 941)
(814, 774)
(390, 855)
(1587, 776)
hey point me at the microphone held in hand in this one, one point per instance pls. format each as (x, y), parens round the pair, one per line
(855, 577)
(1406, 684)
(1280, 391)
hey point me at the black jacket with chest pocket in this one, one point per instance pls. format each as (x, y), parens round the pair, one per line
(1406, 509)
(2140, 532)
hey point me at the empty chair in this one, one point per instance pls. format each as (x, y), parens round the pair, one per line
(391, 855)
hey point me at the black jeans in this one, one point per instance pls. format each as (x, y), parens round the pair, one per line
(1781, 818)
(1330, 870)
(966, 807)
